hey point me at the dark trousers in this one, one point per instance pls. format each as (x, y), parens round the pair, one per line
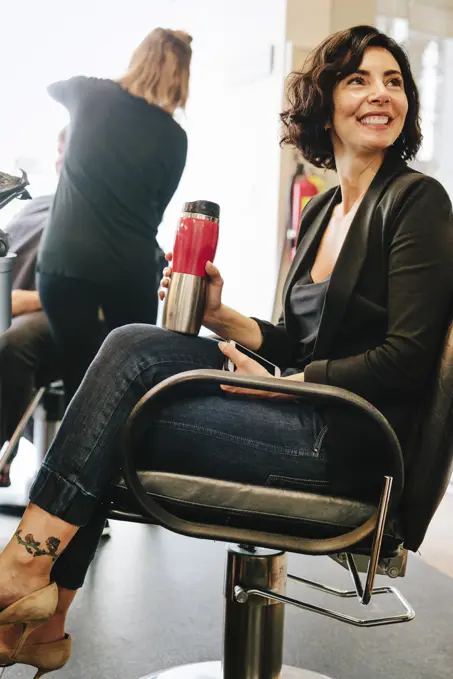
(204, 433)
(80, 315)
(27, 360)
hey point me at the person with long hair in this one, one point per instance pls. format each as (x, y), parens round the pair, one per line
(365, 308)
(124, 157)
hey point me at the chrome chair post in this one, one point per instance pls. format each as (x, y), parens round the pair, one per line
(47, 418)
(44, 431)
(253, 631)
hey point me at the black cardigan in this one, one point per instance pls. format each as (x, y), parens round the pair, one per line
(387, 302)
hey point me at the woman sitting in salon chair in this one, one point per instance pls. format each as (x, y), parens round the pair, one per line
(365, 307)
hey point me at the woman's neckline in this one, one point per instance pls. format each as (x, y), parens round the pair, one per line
(324, 280)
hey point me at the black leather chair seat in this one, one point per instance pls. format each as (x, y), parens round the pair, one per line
(285, 512)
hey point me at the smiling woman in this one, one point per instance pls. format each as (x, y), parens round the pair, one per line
(365, 305)
(362, 72)
(370, 106)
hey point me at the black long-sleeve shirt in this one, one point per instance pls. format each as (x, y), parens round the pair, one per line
(26, 230)
(123, 162)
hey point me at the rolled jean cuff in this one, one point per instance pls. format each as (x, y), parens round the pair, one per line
(62, 498)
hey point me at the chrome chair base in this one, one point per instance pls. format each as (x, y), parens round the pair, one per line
(213, 670)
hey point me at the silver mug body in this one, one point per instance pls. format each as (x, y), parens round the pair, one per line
(184, 303)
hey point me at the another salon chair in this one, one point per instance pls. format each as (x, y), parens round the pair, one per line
(46, 408)
(263, 523)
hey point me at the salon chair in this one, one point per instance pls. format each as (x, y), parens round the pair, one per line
(261, 524)
(46, 407)
(45, 412)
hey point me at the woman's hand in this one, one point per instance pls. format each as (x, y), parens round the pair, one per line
(166, 275)
(24, 302)
(214, 291)
(219, 318)
(247, 366)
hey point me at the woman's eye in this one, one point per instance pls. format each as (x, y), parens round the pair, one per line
(356, 80)
(396, 82)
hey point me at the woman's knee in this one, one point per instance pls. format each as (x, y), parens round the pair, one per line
(140, 345)
(130, 339)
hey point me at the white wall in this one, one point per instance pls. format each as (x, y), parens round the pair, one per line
(46, 41)
(232, 123)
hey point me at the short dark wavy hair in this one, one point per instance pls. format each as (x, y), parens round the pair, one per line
(310, 94)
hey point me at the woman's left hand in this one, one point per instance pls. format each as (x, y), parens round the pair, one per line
(247, 366)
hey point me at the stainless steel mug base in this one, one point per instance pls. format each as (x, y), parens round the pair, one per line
(213, 670)
(184, 303)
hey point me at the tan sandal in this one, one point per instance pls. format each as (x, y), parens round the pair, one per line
(46, 656)
(31, 611)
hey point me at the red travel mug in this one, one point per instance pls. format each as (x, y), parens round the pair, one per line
(195, 245)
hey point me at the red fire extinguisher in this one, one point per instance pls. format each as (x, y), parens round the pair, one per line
(302, 189)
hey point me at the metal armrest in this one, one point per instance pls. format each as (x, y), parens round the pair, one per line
(314, 392)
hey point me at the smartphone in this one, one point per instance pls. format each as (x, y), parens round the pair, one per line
(270, 367)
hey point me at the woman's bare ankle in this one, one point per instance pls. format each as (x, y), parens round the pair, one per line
(27, 560)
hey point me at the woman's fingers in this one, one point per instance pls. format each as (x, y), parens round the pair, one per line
(239, 359)
(253, 393)
(239, 390)
(214, 274)
(164, 283)
(168, 256)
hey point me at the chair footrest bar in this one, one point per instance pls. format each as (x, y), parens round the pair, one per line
(242, 595)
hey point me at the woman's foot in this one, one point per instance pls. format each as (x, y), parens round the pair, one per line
(27, 560)
(46, 657)
(14, 584)
(20, 618)
(51, 631)
(25, 567)
(9, 638)
(54, 629)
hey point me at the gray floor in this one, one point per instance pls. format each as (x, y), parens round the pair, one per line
(154, 599)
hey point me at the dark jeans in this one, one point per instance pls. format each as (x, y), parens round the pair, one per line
(73, 308)
(209, 433)
(27, 361)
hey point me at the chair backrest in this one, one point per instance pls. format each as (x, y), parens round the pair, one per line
(430, 464)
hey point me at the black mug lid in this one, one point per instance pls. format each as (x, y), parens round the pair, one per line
(203, 207)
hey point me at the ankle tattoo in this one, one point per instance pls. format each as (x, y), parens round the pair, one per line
(34, 548)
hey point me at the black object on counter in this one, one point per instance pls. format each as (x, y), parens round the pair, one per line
(13, 187)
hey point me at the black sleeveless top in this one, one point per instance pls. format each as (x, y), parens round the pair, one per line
(307, 303)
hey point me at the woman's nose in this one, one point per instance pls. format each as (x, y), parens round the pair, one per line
(380, 95)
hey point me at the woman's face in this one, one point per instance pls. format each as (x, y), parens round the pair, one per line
(370, 106)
